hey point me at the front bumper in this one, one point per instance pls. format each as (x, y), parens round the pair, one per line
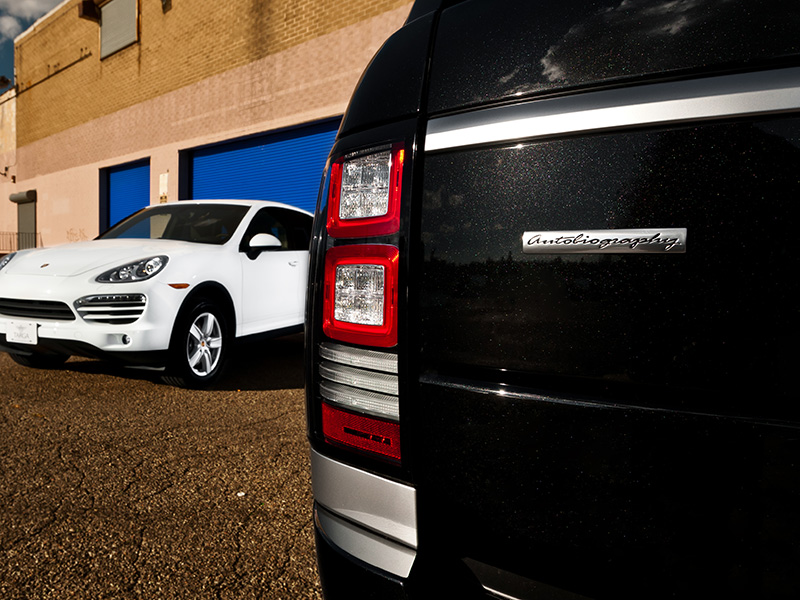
(143, 340)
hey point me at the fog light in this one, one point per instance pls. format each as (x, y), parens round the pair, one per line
(126, 339)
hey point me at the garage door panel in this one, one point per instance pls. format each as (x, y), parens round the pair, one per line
(128, 189)
(284, 167)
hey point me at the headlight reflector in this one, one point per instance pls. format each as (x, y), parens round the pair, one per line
(136, 271)
(6, 259)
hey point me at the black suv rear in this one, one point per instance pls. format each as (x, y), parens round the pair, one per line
(552, 314)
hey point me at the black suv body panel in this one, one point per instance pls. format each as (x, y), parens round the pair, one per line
(585, 425)
(608, 501)
(695, 331)
(485, 54)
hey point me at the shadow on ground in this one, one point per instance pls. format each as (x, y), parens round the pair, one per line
(266, 365)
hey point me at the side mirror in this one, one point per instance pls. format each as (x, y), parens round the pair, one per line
(262, 241)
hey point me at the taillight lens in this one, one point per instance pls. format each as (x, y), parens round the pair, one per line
(360, 408)
(359, 387)
(360, 304)
(361, 432)
(364, 197)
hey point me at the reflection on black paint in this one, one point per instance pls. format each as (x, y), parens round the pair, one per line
(514, 52)
(705, 321)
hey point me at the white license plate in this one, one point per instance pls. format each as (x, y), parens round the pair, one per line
(22, 332)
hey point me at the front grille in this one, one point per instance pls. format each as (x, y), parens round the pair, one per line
(112, 309)
(36, 309)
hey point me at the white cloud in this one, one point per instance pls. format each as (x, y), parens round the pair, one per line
(27, 9)
(616, 32)
(16, 15)
(9, 27)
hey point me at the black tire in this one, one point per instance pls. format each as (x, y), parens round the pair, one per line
(198, 347)
(40, 360)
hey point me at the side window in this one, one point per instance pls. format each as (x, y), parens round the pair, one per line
(297, 225)
(292, 228)
(265, 222)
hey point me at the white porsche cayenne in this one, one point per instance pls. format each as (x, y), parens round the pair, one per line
(171, 286)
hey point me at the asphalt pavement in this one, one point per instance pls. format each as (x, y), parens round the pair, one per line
(115, 485)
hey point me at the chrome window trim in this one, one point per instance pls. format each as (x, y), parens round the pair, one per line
(384, 506)
(746, 94)
(365, 545)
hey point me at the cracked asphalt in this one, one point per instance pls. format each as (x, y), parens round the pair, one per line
(115, 485)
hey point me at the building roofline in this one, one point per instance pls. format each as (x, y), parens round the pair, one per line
(40, 20)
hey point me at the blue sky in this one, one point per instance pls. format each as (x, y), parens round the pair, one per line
(15, 17)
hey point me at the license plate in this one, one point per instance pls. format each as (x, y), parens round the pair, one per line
(22, 332)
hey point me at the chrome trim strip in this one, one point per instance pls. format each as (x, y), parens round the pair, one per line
(714, 97)
(511, 586)
(499, 390)
(364, 545)
(379, 504)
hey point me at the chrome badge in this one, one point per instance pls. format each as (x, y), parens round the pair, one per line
(606, 241)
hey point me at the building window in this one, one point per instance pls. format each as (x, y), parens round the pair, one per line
(117, 26)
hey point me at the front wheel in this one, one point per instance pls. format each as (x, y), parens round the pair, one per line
(199, 346)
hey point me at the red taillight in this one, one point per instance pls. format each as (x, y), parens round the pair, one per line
(361, 432)
(359, 387)
(364, 197)
(360, 304)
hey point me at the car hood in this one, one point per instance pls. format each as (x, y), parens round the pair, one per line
(70, 260)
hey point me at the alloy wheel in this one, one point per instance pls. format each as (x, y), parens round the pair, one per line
(204, 344)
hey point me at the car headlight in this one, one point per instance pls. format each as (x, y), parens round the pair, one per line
(6, 259)
(136, 271)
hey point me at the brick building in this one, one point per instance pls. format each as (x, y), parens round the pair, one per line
(124, 103)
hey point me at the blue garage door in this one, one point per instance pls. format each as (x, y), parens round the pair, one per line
(285, 167)
(128, 189)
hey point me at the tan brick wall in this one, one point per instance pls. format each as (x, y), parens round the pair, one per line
(63, 83)
(8, 210)
(304, 83)
(8, 165)
(8, 123)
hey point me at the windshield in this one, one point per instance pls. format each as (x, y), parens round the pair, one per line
(200, 223)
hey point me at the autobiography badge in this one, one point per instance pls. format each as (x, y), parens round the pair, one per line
(606, 241)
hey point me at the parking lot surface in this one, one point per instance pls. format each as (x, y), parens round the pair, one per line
(114, 485)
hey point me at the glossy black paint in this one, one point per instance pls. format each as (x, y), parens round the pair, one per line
(599, 426)
(485, 55)
(391, 86)
(609, 502)
(698, 331)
